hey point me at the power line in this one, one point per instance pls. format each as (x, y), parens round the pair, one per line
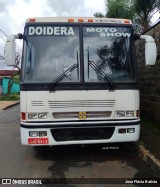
(9, 18)
(6, 13)
(3, 32)
(2, 38)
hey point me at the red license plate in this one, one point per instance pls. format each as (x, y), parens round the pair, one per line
(37, 140)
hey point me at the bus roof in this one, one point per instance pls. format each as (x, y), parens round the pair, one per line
(78, 20)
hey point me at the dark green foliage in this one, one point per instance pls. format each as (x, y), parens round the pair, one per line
(10, 97)
(139, 11)
(119, 9)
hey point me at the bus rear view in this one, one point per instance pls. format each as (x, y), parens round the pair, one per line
(79, 82)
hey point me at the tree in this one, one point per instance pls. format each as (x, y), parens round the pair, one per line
(18, 60)
(144, 11)
(139, 11)
(99, 15)
(120, 9)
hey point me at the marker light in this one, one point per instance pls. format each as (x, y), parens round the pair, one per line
(90, 20)
(126, 21)
(70, 20)
(32, 20)
(80, 20)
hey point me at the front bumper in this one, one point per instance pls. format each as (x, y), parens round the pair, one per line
(84, 126)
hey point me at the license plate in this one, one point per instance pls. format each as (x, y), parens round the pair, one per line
(37, 140)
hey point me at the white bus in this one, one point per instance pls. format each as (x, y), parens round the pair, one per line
(79, 80)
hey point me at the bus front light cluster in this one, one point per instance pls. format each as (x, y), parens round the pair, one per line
(126, 130)
(37, 133)
(37, 115)
(129, 113)
(120, 113)
(33, 134)
(42, 115)
(125, 113)
(32, 116)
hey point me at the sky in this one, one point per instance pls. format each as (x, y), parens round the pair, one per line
(13, 13)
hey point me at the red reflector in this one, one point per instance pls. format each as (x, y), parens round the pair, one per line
(138, 113)
(23, 116)
(32, 20)
(37, 140)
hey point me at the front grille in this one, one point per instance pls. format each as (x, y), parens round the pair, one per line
(65, 115)
(81, 103)
(37, 103)
(79, 134)
(75, 115)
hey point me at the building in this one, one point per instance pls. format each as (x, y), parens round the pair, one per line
(6, 73)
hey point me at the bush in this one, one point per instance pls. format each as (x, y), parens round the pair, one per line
(10, 97)
(16, 79)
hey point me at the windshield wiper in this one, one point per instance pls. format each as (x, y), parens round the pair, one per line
(102, 74)
(62, 76)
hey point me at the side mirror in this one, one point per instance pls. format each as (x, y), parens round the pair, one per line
(10, 50)
(150, 50)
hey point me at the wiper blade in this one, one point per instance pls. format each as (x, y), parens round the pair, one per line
(99, 71)
(102, 74)
(62, 76)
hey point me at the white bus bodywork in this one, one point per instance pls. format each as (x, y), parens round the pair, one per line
(81, 89)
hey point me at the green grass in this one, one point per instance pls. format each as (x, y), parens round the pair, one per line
(150, 124)
(10, 97)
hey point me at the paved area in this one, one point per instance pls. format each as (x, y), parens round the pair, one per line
(148, 155)
(85, 165)
(6, 104)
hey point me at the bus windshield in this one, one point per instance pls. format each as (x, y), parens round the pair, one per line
(108, 51)
(50, 51)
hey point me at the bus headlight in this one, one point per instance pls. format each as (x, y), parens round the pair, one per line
(131, 130)
(42, 115)
(33, 133)
(130, 114)
(120, 113)
(32, 116)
